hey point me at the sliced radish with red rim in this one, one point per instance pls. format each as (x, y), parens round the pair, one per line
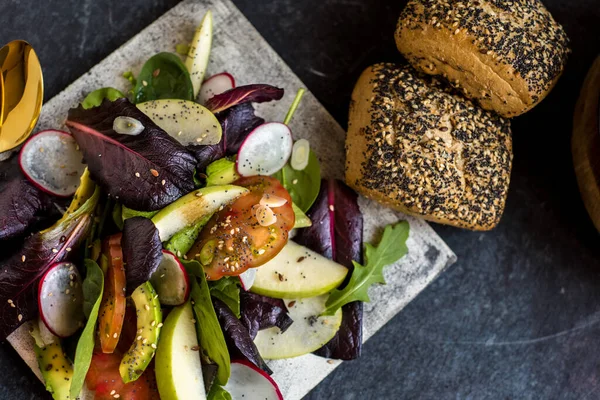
(60, 299)
(51, 160)
(171, 281)
(247, 381)
(214, 85)
(247, 278)
(265, 151)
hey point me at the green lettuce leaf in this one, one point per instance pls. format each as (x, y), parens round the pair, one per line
(210, 335)
(227, 290)
(391, 248)
(95, 98)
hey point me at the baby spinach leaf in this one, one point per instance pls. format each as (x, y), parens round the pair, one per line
(390, 249)
(210, 335)
(303, 185)
(93, 286)
(227, 290)
(163, 76)
(95, 98)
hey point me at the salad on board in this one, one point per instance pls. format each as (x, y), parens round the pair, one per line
(172, 241)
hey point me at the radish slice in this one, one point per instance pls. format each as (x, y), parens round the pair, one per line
(247, 278)
(247, 381)
(265, 151)
(300, 153)
(60, 299)
(214, 85)
(171, 281)
(51, 160)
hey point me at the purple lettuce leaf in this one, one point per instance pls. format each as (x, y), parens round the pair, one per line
(261, 312)
(257, 93)
(238, 338)
(23, 207)
(237, 122)
(20, 273)
(144, 172)
(142, 251)
(336, 233)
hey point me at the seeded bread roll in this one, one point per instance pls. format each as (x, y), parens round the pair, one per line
(415, 146)
(505, 55)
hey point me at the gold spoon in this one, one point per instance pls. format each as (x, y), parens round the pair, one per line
(21, 93)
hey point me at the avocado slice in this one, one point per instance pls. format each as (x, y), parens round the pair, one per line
(191, 208)
(56, 369)
(149, 322)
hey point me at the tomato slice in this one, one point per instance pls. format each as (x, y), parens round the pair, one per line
(104, 379)
(234, 239)
(112, 308)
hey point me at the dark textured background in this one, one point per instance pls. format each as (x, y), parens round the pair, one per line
(517, 317)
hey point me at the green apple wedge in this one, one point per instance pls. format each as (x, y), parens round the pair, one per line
(197, 58)
(309, 332)
(178, 369)
(186, 121)
(298, 272)
(191, 208)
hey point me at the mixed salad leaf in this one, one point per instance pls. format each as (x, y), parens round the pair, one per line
(163, 224)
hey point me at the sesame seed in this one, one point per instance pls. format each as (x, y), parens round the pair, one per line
(23, 258)
(137, 174)
(20, 317)
(147, 307)
(115, 335)
(159, 325)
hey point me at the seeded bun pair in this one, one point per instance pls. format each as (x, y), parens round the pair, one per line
(444, 152)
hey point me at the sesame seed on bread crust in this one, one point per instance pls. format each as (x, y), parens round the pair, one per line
(505, 55)
(414, 145)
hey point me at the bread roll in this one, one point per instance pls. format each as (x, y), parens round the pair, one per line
(505, 55)
(415, 146)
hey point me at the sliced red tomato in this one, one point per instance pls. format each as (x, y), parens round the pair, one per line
(240, 236)
(112, 309)
(104, 379)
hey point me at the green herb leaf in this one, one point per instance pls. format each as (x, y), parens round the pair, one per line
(217, 392)
(95, 98)
(391, 248)
(183, 240)
(302, 220)
(227, 290)
(210, 335)
(93, 286)
(221, 172)
(163, 76)
(303, 185)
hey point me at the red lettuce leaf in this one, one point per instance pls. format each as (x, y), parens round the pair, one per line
(237, 122)
(23, 207)
(145, 172)
(142, 251)
(336, 233)
(261, 312)
(257, 93)
(20, 273)
(238, 338)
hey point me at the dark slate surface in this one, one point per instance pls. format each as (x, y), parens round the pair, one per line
(517, 317)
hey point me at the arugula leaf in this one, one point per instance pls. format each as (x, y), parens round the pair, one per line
(163, 76)
(217, 392)
(96, 98)
(210, 335)
(391, 248)
(227, 290)
(183, 240)
(303, 185)
(93, 286)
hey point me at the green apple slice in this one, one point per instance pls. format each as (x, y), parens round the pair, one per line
(186, 121)
(308, 333)
(197, 58)
(178, 368)
(298, 272)
(191, 208)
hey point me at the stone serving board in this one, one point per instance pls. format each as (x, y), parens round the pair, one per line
(239, 49)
